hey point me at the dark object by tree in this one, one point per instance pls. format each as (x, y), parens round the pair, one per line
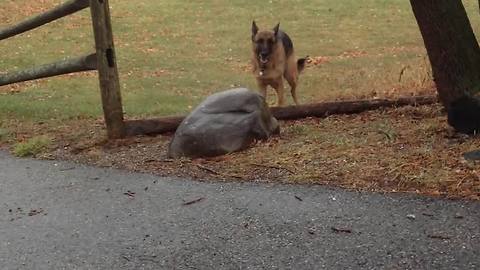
(454, 54)
(473, 155)
(464, 115)
(170, 124)
(225, 122)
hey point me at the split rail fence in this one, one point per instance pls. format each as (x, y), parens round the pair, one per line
(104, 61)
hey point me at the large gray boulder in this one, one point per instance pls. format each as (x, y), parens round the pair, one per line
(225, 122)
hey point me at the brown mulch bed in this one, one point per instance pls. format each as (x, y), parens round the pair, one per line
(408, 149)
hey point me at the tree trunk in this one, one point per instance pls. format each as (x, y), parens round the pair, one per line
(451, 46)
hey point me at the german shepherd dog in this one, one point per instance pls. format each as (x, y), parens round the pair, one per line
(274, 58)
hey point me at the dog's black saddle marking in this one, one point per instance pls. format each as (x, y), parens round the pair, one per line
(287, 42)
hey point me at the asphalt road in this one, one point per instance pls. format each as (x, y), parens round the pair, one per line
(57, 215)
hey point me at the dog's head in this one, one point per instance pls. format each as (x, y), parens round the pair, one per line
(264, 42)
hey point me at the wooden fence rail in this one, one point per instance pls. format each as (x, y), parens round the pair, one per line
(103, 60)
(56, 13)
(84, 63)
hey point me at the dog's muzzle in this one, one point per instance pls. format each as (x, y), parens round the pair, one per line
(263, 58)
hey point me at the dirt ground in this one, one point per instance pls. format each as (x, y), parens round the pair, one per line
(408, 149)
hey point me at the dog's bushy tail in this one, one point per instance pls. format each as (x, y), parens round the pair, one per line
(301, 63)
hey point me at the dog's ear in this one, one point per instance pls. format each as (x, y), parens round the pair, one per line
(254, 29)
(276, 28)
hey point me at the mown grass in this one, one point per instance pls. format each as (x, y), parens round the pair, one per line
(172, 54)
(32, 147)
(4, 134)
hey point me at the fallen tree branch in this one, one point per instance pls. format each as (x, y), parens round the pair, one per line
(340, 230)
(208, 169)
(194, 201)
(438, 236)
(170, 124)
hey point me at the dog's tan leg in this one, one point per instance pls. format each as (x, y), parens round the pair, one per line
(278, 86)
(291, 75)
(293, 89)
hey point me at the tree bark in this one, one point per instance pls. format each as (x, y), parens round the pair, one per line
(451, 45)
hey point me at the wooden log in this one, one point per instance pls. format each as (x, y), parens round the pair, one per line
(56, 13)
(346, 107)
(153, 126)
(170, 124)
(79, 64)
(107, 69)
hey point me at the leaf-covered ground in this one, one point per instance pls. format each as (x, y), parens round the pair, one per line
(408, 149)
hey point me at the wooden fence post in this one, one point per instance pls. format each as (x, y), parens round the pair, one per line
(107, 69)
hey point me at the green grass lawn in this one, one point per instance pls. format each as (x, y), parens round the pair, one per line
(173, 53)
